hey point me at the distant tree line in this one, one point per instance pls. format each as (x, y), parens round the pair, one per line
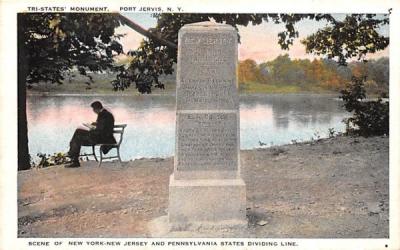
(323, 74)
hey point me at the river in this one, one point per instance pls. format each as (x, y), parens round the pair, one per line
(265, 120)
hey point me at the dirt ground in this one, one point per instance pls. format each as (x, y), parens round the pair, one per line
(334, 188)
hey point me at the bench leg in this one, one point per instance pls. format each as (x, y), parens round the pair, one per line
(94, 153)
(119, 157)
(101, 157)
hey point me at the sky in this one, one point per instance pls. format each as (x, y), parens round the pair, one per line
(259, 42)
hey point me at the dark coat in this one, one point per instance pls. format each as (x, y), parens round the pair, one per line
(104, 131)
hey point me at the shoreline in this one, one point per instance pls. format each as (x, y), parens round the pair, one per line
(335, 96)
(169, 157)
(172, 94)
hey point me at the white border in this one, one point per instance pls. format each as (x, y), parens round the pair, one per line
(8, 105)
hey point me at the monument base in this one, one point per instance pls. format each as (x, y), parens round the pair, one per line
(160, 228)
(207, 204)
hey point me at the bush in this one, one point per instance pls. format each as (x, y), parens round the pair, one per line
(370, 117)
(51, 160)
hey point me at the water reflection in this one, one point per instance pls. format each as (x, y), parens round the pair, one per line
(289, 117)
(272, 119)
(302, 108)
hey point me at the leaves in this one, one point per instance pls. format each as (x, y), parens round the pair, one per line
(46, 160)
(248, 71)
(370, 117)
(55, 43)
(315, 75)
(153, 59)
(355, 36)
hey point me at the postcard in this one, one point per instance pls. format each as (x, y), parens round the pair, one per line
(149, 124)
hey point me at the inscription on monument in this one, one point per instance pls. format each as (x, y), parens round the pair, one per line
(210, 39)
(207, 94)
(207, 101)
(207, 141)
(207, 79)
(207, 57)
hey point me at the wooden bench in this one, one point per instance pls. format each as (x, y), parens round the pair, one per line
(119, 132)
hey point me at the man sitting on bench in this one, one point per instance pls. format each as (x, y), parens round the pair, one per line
(100, 133)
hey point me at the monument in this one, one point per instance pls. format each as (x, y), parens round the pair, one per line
(205, 189)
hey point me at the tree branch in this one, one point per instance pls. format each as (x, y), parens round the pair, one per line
(126, 21)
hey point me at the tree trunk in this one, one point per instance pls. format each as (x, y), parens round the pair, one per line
(23, 150)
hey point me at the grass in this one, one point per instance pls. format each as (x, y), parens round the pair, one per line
(256, 87)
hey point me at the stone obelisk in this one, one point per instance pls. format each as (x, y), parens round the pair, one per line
(206, 189)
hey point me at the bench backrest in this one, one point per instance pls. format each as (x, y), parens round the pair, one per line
(119, 130)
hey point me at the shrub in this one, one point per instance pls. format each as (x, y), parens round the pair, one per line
(370, 117)
(47, 160)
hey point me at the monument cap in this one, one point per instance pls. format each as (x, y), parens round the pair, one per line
(207, 25)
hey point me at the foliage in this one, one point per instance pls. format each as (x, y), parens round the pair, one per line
(306, 75)
(376, 72)
(47, 160)
(54, 43)
(331, 132)
(153, 59)
(248, 71)
(51, 44)
(370, 117)
(355, 35)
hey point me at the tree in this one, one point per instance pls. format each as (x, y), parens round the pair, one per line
(248, 71)
(280, 68)
(265, 72)
(354, 36)
(50, 44)
(369, 117)
(376, 73)
(285, 71)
